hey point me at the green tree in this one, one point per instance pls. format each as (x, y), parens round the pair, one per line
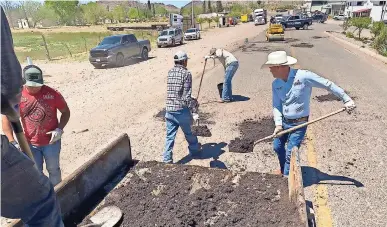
(110, 16)
(119, 13)
(93, 12)
(209, 6)
(204, 7)
(9, 9)
(360, 23)
(219, 6)
(43, 13)
(133, 13)
(377, 28)
(65, 10)
(209, 20)
(200, 21)
(161, 10)
(153, 10)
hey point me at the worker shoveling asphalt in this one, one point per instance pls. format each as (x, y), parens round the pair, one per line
(197, 129)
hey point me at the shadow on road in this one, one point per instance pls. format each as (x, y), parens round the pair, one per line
(312, 176)
(128, 62)
(239, 98)
(209, 150)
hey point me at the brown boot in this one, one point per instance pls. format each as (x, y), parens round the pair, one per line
(276, 172)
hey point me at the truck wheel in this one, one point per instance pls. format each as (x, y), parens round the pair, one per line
(159, 46)
(297, 28)
(173, 43)
(97, 66)
(181, 41)
(305, 27)
(120, 60)
(144, 54)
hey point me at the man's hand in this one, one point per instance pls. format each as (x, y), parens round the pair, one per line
(208, 57)
(15, 144)
(278, 128)
(350, 106)
(55, 135)
(195, 117)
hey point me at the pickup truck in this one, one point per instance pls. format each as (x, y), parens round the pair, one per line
(113, 50)
(296, 21)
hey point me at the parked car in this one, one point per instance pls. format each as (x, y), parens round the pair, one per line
(259, 20)
(307, 17)
(192, 33)
(113, 50)
(320, 18)
(278, 17)
(170, 37)
(281, 10)
(339, 17)
(295, 21)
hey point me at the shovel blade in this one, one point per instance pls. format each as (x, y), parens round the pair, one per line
(107, 217)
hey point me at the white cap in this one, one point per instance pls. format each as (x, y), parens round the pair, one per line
(279, 58)
(180, 56)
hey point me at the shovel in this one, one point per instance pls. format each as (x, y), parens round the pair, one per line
(298, 126)
(201, 130)
(107, 217)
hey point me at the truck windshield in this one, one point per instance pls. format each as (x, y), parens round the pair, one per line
(167, 33)
(111, 40)
(190, 30)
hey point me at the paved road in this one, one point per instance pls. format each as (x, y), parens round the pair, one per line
(344, 156)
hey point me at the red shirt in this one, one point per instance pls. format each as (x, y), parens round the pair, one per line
(39, 114)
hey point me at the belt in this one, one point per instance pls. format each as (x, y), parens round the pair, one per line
(297, 120)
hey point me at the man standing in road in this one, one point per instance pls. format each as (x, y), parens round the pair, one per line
(230, 64)
(179, 107)
(292, 89)
(38, 109)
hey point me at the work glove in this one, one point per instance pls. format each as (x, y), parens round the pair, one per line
(195, 117)
(278, 128)
(194, 105)
(55, 135)
(350, 106)
(208, 57)
(15, 144)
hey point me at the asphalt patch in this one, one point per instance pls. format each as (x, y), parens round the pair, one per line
(251, 131)
(303, 45)
(319, 37)
(331, 97)
(176, 195)
(201, 130)
(291, 40)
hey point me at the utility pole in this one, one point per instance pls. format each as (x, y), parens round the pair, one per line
(192, 14)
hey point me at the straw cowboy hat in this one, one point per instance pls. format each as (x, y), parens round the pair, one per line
(278, 58)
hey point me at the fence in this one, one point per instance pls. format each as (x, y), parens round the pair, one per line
(53, 46)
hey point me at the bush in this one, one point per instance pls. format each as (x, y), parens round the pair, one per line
(377, 28)
(380, 42)
(350, 35)
(345, 25)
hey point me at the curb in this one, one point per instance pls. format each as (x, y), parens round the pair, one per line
(364, 50)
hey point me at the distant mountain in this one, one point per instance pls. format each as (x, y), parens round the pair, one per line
(169, 7)
(110, 4)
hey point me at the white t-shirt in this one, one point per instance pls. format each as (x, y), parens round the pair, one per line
(225, 57)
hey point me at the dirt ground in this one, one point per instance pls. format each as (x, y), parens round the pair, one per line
(107, 102)
(156, 194)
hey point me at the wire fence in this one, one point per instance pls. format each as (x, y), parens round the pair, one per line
(51, 46)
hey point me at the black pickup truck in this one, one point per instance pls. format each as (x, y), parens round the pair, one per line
(296, 21)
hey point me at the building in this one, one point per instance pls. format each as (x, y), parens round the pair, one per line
(377, 10)
(332, 8)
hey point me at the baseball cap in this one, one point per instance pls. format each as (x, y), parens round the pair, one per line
(180, 56)
(33, 76)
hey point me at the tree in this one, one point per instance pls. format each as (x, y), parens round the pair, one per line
(380, 42)
(66, 10)
(119, 13)
(153, 10)
(133, 13)
(209, 6)
(161, 10)
(200, 21)
(9, 9)
(93, 12)
(43, 13)
(110, 16)
(209, 20)
(360, 23)
(204, 6)
(219, 6)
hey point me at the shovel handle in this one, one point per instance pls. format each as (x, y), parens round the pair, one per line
(201, 79)
(299, 126)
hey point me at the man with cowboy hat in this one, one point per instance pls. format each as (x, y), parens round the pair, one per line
(230, 64)
(179, 106)
(292, 89)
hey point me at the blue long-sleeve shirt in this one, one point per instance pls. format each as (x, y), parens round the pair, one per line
(291, 99)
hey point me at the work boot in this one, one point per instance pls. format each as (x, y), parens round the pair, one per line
(276, 172)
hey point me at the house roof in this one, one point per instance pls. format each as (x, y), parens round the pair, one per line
(362, 10)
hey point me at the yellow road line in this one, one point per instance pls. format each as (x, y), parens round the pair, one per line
(322, 211)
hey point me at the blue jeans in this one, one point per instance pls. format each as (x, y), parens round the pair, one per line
(25, 192)
(293, 139)
(229, 74)
(175, 119)
(50, 154)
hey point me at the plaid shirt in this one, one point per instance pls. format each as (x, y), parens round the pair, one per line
(179, 88)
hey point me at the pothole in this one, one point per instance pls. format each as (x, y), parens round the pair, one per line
(303, 45)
